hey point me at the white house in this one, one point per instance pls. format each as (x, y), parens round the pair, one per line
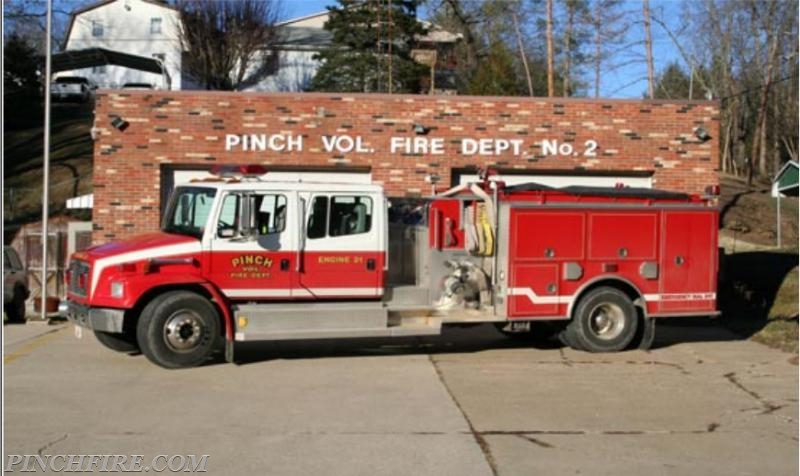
(146, 28)
(150, 28)
(300, 39)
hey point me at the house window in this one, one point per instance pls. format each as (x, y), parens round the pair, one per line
(155, 26)
(97, 28)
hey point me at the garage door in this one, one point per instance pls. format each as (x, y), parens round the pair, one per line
(558, 181)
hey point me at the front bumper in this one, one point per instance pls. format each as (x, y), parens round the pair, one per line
(99, 319)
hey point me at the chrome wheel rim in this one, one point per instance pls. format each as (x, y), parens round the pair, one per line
(184, 331)
(607, 321)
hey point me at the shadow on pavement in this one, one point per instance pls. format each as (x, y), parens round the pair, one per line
(455, 340)
(749, 286)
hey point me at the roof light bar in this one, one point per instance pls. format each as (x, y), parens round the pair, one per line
(238, 171)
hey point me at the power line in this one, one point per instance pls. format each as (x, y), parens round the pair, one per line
(758, 88)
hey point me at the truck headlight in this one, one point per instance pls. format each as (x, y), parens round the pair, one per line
(117, 289)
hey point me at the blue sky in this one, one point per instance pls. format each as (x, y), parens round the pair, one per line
(628, 82)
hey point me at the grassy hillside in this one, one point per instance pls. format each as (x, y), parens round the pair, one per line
(70, 163)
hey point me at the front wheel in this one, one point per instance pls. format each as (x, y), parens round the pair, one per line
(15, 310)
(178, 329)
(604, 321)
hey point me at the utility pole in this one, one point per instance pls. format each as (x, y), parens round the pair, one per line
(391, 40)
(648, 45)
(46, 178)
(550, 53)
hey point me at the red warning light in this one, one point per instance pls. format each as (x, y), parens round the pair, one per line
(238, 171)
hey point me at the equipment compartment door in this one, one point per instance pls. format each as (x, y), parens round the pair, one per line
(344, 246)
(535, 291)
(540, 242)
(689, 262)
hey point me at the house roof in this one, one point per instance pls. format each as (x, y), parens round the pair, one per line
(786, 179)
(435, 33)
(303, 18)
(304, 37)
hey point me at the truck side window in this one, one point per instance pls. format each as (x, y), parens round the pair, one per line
(340, 215)
(229, 212)
(270, 214)
(350, 215)
(317, 220)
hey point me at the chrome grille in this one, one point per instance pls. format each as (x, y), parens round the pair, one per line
(78, 278)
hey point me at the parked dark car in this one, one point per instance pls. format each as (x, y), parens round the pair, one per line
(15, 280)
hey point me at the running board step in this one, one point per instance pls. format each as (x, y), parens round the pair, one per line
(257, 323)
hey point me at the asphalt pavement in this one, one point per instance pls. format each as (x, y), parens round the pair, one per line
(469, 402)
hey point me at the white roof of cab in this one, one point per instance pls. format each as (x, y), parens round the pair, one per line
(295, 186)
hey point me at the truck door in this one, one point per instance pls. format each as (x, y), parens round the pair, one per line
(343, 247)
(689, 261)
(261, 263)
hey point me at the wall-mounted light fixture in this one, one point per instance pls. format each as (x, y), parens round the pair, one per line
(433, 179)
(421, 130)
(702, 134)
(119, 123)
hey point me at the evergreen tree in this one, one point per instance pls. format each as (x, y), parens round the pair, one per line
(496, 74)
(672, 83)
(22, 65)
(371, 48)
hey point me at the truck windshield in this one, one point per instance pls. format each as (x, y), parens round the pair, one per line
(188, 211)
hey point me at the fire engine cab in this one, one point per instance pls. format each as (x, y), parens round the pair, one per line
(239, 258)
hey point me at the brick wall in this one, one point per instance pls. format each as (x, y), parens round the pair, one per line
(189, 128)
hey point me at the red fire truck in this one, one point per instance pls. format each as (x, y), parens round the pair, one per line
(245, 259)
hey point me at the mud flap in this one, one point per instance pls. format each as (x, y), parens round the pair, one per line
(229, 350)
(645, 334)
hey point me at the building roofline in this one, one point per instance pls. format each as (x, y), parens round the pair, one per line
(306, 17)
(783, 169)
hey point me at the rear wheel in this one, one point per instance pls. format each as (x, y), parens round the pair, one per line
(604, 321)
(178, 329)
(118, 342)
(15, 310)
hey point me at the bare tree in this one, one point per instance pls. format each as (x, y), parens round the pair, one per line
(522, 54)
(228, 44)
(748, 50)
(608, 24)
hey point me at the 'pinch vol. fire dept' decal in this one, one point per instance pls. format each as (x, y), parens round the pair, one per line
(251, 267)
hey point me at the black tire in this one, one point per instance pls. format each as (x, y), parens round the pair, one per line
(178, 329)
(604, 321)
(566, 337)
(118, 342)
(15, 310)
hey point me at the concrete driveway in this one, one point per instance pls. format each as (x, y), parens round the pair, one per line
(470, 402)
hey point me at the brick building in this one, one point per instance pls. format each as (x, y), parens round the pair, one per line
(404, 142)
